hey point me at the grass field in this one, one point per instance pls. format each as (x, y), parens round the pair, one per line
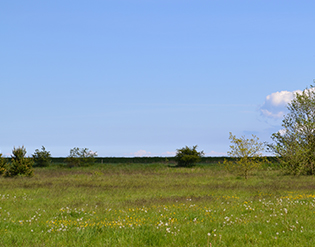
(156, 205)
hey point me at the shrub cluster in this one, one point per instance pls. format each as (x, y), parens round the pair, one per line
(20, 165)
(42, 158)
(187, 157)
(80, 157)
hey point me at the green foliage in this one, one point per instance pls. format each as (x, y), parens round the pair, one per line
(187, 157)
(3, 165)
(295, 143)
(42, 158)
(20, 165)
(246, 153)
(80, 157)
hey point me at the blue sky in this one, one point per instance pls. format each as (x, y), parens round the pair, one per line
(144, 77)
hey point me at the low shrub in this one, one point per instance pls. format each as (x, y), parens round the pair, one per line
(42, 158)
(187, 157)
(80, 157)
(20, 165)
(247, 155)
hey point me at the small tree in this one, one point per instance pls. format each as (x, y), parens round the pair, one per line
(187, 157)
(295, 143)
(246, 154)
(42, 158)
(80, 157)
(20, 165)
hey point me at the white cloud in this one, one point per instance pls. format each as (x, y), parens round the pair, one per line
(141, 153)
(144, 153)
(274, 114)
(275, 104)
(281, 98)
(169, 153)
(214, 153)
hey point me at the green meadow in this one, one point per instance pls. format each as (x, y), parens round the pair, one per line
(156, 205)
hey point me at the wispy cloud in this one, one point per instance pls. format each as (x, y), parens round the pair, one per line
(214, 153)
(141, 153)
(275, 104)
(169, 153)
(7, 155)
(144, 153)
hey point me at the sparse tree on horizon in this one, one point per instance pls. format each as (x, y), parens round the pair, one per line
(246, 154)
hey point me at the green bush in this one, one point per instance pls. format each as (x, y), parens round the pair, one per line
(42, 158)
(247, 154)
(80, 157)
(187, 157)
(20, 165)
(3, 165)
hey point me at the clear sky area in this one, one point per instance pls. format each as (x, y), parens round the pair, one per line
(145, 77)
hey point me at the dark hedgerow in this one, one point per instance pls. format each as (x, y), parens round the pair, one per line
(187, 157)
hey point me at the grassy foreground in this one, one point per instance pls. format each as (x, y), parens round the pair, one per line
(155, 205)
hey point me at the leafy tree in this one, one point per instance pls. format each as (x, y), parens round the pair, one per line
(20, 165)
(295, 143)
(246, 154)
(80, 157)
(42, 158)
(187, 157)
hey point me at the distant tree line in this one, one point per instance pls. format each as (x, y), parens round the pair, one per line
(147, 160)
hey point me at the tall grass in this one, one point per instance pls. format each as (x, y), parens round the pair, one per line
(156, 205)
